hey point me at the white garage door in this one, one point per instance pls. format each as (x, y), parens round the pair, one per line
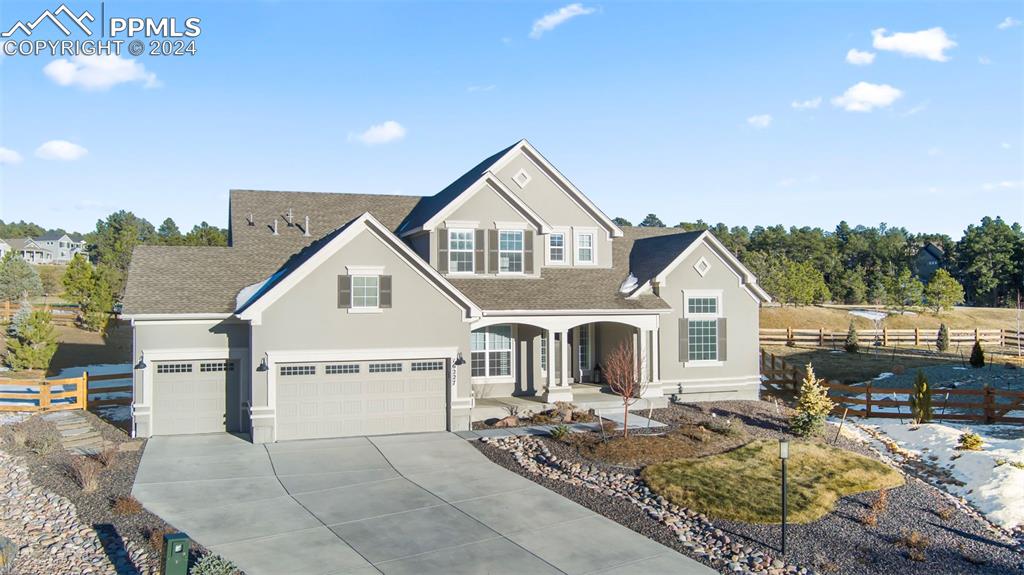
(191, 396)
(361, 398)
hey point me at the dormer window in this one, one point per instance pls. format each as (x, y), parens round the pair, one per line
(365, 292)
(460, 251)
(585, 248)
(556, 248)
(510, 251)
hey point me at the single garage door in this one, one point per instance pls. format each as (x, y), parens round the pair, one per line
(192, 396)
(361, 398)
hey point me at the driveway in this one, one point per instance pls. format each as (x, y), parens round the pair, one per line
(423, 503)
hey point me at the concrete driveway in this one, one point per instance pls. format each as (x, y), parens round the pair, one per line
(423, 503)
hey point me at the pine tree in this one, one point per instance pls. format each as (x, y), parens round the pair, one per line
(851, 345)
(35, 343)
(78, 279)
(813, 405)
(24, 310)
(96, 308)
(921, 399)
(942, 341)
(18, 279)
(977, 355)
(652, 221)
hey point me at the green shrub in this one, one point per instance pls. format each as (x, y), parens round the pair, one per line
(970, 441)
(921, 399)
(559, 432)
(977, 355)
(212, 564)
(942, 341)
(35, 343)
(20, 317)
(851, 344)
(813, 405)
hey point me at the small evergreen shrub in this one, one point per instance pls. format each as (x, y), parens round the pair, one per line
(942, 341)
(977, 355)
(212, 564)
(560, 432)
(20, 317)
(970, 441)
(851, 344)
(35, 343)
(813, 405)
(921, 399)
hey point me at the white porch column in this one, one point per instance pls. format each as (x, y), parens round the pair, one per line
(562, 391)
(564, 351)
(649, 366)
(551, 357)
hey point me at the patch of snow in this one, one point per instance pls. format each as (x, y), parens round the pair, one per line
(884, 375)
(997, 491)
(247, 292)
(869, 314)
(629, 284)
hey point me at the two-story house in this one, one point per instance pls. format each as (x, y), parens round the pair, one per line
(346, 314)
(61, 246)
(30, 250)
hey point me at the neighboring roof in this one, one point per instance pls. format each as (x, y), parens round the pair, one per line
(21, 243)
(933, 250)
(52, 236)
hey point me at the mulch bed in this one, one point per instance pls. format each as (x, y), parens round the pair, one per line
(956, 541)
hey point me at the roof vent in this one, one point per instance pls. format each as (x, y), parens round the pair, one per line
(288, 218)
(275, 226)
(305, 228)
(251, 220)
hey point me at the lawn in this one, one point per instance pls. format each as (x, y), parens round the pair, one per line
(848, 368)
(743, 484)
(838, 318)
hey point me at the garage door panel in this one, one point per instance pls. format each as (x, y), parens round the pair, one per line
(383, 401)
(192, 396)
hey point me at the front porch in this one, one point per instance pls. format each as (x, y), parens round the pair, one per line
(585, 396)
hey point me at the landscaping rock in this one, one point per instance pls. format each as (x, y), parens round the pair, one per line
(510, 421)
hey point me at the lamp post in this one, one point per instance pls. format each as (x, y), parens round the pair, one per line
(783, 455)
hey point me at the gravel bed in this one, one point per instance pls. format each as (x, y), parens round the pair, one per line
(962, 542)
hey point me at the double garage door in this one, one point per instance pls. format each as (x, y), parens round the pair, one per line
(193, 397)
(338, 399)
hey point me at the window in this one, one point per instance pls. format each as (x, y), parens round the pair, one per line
(585, 248)
(174, 368)
(341, 368)
(298, 370)
(702, 305)
(556, 248)
(491, 351)
(391, 367)
(510, 251)
(583, 347)
(216, 366)
(427, 366)
(365, 291)
(703, 340)
(544, 352)
(460, 251)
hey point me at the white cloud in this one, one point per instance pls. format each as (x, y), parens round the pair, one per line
(9, 156)
(555, 19)
(1009, 22)
(60, 150)
(1005, 145)
(858, 58)
(760, 121)
(864, 97)
(99, 72)
(389, 131)
(1005, 185)
(481, 88)
(931, 43)
(811, 104)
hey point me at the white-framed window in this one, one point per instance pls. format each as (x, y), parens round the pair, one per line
(585, 248)
(702, 310)
(510, 251)
(491, 351)
(583, 347)
(460, 251)
(556, 247)
(702, 339)
(365, 291)
(544, 352)
(703, 305)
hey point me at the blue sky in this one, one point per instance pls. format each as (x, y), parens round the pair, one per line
(682, 109)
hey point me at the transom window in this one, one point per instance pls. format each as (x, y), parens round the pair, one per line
(491, 351)
(390, 367)
(703, 339)
(427, 365)
(174, 368)
(365, 291)
(216, 366)
(510, 251)
(460, 250)
(583, 345)
(699, 305)
(341, 368)
(556, 247)
(544, 352)
(298, 370)
(585, 248)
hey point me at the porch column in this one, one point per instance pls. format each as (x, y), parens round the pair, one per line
(642, 335)
(562, 391)
(649, 364)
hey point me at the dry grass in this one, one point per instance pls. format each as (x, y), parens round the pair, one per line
(915, 543)
(126, 505)
(156, 538)
(876, 509)
(743, 484)
(689, 440)
(838, 318)
(855, 367)
(85, 471)
(107, 457)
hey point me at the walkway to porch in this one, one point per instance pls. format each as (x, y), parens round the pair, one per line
(584, 396)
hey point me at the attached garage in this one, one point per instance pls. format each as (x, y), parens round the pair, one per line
(193, 397)
(338, 399)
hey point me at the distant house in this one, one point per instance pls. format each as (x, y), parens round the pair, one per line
(928, 260)
(4, 248)
(61, 246)
(30, 250)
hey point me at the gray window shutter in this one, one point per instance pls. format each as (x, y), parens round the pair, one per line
(385, 291)
(528, 251)
(479, 251)
(344, 291)
(684, 339)
(721, 339)
(492, 251)
(442, 250)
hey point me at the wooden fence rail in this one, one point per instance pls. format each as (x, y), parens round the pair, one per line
(61, 394)
(915, 336)
(62, 314)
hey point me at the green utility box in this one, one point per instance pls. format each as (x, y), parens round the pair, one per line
(175, 556)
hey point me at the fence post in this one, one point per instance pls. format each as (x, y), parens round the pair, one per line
(821, 337)
(885, 336)
(789, 334)
(917, 336)
(83, 390)
(975, 334)
(867, 399)
(7, 310)
(990, 414)
(44, 396)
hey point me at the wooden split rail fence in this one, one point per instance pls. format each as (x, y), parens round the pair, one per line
(827, 337)
(62, 314)
(61, 394)
(986, 405)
